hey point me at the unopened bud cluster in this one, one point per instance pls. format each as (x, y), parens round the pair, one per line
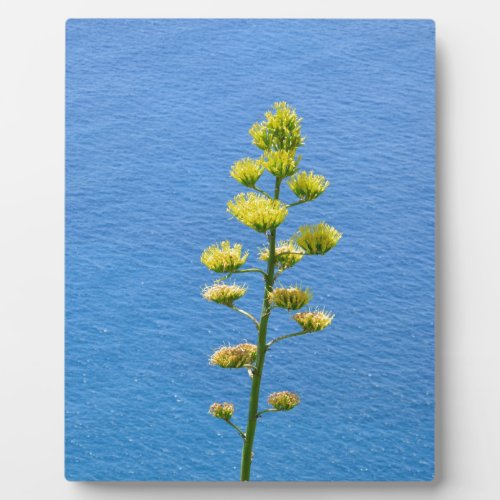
(308, 186)
(291, 298)
(222, 293)
(281, 163)
(287, 254)
(313, 321)
(234, 356)
(257, 211)
(279, 131)
(247, 171)
(317, 239)
(222, 410)
(284, 400)
(223, 258)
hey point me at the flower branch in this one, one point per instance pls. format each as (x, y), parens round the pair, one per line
(283, 337)
(268, 410)
(300, 202)
(261, 191)
(245, 313)
(234, 426)
(250, 270)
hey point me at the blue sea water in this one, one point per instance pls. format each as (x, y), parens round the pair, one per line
(157, 111)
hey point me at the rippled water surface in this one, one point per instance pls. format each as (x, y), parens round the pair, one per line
(157, 111)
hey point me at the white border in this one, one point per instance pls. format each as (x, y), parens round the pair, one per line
(32, 252)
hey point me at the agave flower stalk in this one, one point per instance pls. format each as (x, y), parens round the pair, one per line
(278, 136)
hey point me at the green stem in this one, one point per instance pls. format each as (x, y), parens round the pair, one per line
(292, 253)
(268, 410)
(297, 203)
(246, 454)
(283, 337)
(262, 191)
(278, 274)
(240, 432)
(247, 314)
(252, 270)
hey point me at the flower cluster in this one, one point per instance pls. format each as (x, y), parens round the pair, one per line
(222, 258)
(284, 400)
(223, 293)
(279, 131)
(247, 171)
(234, 356)
(308, 186)
(287, 254)
(257, 211)
(318, 239)
(291, 298)
(281, 163)
(313, 321)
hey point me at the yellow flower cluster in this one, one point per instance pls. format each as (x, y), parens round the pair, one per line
(318, 239)
(308, 186)
(234, 356)
(284, 400)
(280, 163)
(279, 131)
(222, 258)
(223, 293)
(287, 254)
(257, 211)
(247, 171)
(291, 298)
(313, 321)
(222, 410)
